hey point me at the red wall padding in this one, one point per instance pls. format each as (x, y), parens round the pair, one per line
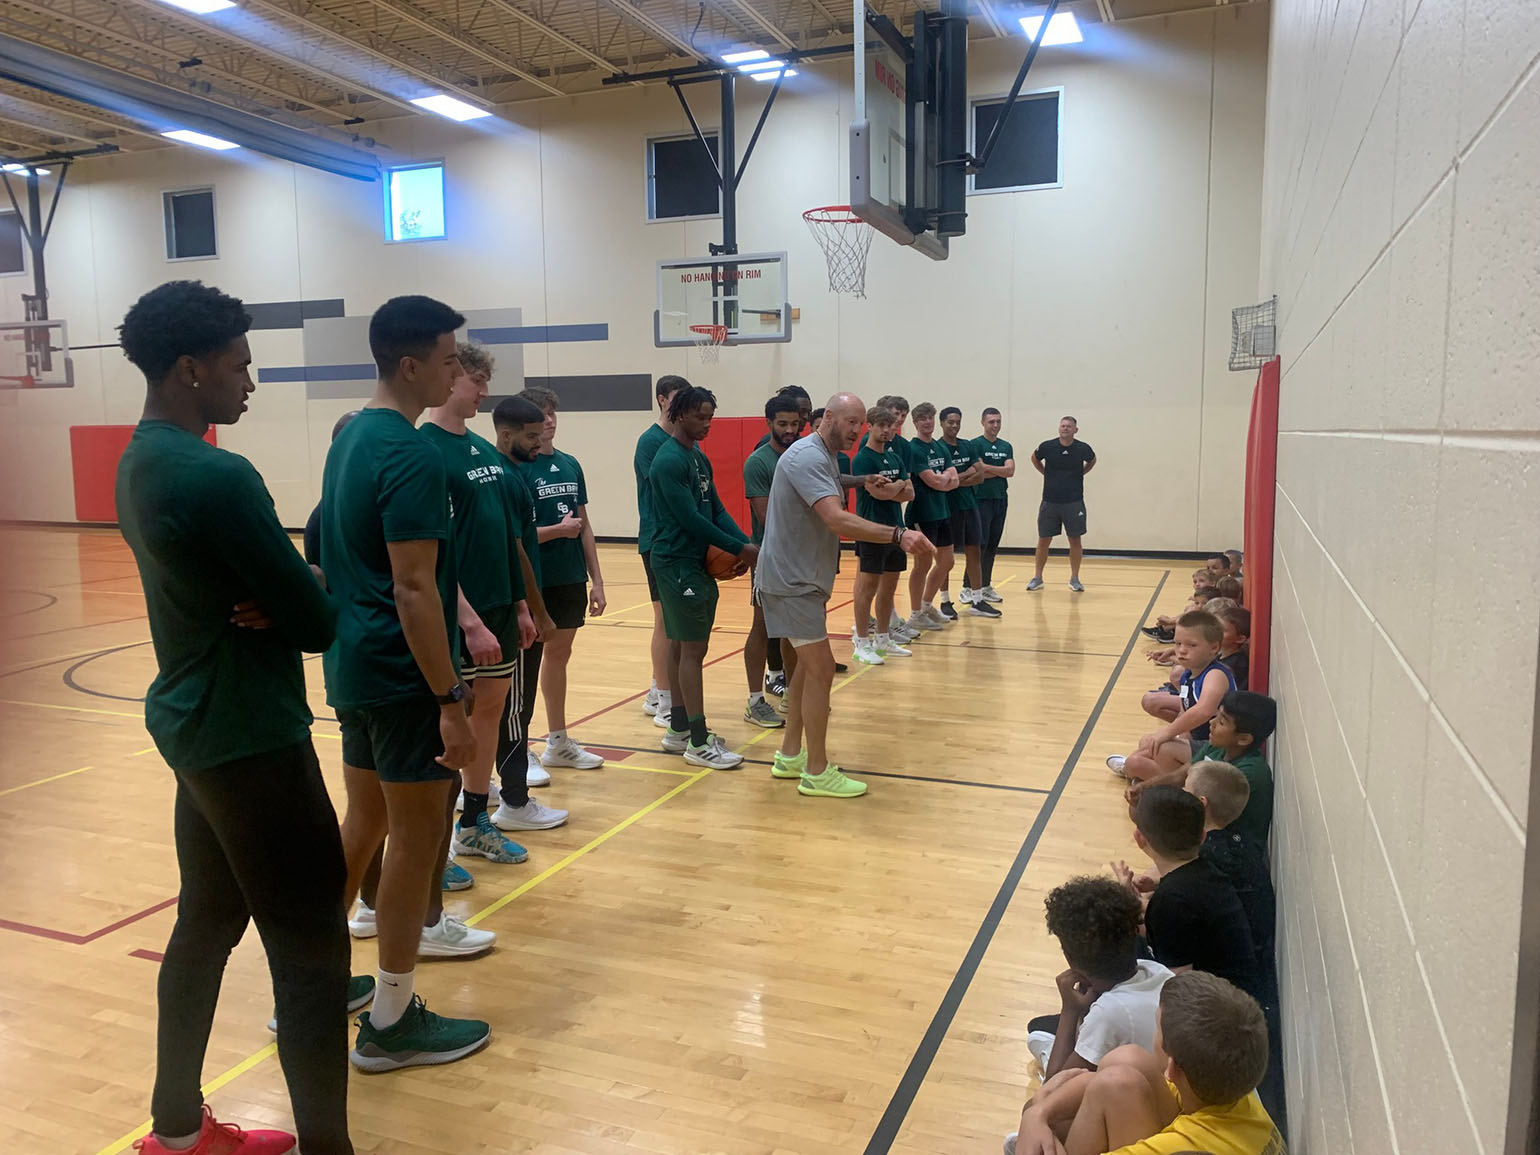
(1261, 482)
(94, 454)
(728, 446)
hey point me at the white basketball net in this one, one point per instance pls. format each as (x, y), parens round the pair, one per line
(845, 240)
(709, 340)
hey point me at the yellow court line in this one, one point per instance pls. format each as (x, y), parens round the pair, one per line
(138, 717)
(609, 613)
(41, 781)
(218, 1081)
(629, 765)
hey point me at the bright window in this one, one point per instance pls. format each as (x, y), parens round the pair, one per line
(414, 203)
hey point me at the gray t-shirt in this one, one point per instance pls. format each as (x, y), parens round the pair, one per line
(800, 554)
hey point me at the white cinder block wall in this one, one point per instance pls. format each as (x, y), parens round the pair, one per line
(1401, 232)
(1107, 298)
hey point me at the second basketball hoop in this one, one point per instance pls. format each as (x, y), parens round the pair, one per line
(845, 240)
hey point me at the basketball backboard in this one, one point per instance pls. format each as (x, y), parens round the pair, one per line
(745, 294)
(35, 355)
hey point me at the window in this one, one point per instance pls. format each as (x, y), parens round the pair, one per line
(189, 224)
(682, 178)
(1027, 153)
(13, 249)
(414, 203)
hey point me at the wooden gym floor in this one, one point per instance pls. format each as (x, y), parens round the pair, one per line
(698, 962)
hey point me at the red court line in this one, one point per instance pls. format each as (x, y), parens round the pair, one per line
(153, 956)
(82, 939)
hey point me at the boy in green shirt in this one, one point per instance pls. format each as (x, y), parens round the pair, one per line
(393, 673)
(231, 606)
(930, 467)
(967, 528)
(879, 563)
(999, 466)
(689, 517)
(783, 415)
(656, 703)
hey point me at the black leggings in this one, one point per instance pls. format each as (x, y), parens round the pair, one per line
(992, 513)
(257, 841)
(513, 733)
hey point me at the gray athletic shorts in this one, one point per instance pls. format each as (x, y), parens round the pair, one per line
(799, 617)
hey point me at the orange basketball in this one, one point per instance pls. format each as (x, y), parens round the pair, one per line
(720, 564)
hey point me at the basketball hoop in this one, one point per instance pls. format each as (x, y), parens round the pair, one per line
(845, 240)
(709, 340)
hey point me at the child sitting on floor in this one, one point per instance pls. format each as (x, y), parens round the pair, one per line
(1161, 631)
(1204, 683)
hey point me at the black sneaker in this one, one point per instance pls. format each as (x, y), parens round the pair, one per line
(948, 612)
(1150, 631)
(1166, 639)
(984, 610)
(841, 668)
(775, 683)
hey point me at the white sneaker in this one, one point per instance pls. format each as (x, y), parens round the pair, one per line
(566, 752)
(494, 796)
(660, 719)
(451, 938)
(919, 622)
(714, 755)
(862, 650)
(1116, 763)
(650, 702)
(966, 597)
(362, 924)
(887, 646)
(1040, 1046)
(531, 816)
(536, 774)
(990, 595)
(938, 619)
(675, 741)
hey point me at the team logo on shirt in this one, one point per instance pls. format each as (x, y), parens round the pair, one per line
(555, 468)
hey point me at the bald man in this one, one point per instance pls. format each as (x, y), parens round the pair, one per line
(804, 521)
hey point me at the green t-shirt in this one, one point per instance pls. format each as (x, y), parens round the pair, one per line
(646, 449)
(963, 457)
(994, 453)
(687, 513)
(205, 536)
(384, 481)
(1257, 819)
(928, 504)
(891, 466)
(484, 532)
(758, 473)
(556, 482)
(522, 504)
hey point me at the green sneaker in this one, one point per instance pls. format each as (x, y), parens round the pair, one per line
(784, 767)
(419, 1039)
(360, 994)
(832, 783)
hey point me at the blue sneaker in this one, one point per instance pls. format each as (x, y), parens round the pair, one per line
(456, 877)
(486, 840)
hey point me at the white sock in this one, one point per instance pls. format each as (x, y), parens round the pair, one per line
(895, 621)
(554, 738)
(665, 700)
(653, 690)
(392, 996)
(884, 641)
(181, 1142)
(946, 596)
(756, 697)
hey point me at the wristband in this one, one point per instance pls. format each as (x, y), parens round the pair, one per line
(898, 534)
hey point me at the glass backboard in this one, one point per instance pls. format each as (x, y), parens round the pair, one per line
(744, 293)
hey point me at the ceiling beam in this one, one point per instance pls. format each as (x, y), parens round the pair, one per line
(992, 18)
(657, 31)
(447, 32)
(545, 29)
(765, 25)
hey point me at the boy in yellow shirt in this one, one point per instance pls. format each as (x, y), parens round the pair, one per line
(1195, 1093)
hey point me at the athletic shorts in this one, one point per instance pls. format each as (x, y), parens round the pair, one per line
(802, 618)
(399, 741)
(1056, 517)
(567, 604)
(504, 624)
(881, 557)
(967, 527)
(939, 532)
(689, 597)
(652, 582)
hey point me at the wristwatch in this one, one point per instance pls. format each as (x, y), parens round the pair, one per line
(898, 535)
(455, 696)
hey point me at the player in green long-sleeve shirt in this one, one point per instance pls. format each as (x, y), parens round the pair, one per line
(688, 516)
(658, 700)
(231, 606)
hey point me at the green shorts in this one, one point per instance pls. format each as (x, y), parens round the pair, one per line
(689, 597)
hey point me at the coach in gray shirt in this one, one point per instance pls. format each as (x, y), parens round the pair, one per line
(804, 520)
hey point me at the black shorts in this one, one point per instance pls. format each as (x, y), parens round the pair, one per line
(939, 532)
(567, 604)
(1056, 517)
(881, 557)
(399, 741)
(967, 527)
(652, 582)
(504, 624)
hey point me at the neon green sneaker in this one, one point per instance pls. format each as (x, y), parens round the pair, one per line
(784, 767)
(832, 783)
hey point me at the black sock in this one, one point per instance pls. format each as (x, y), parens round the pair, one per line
(678, 718)
(475, 807)
(698, 731)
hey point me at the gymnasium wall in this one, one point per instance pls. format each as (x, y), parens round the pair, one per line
(1107, 298)
(1401, 235)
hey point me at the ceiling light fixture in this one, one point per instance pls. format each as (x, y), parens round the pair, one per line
(201, 7)
(448, 106)
(1062, 29)
(201, 139)
(745, 57)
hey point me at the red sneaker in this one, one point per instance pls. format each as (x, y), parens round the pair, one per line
(218, 1138)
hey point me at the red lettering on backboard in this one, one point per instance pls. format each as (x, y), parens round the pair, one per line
(888, 79)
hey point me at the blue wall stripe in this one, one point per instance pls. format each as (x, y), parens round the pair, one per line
(319, 373)
(540, 334)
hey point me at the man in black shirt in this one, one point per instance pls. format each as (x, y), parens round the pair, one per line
(1063, 462)
(1194, 919)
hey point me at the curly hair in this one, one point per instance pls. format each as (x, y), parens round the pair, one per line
(180, 319)
(690, 398)
(1096, 921)
(544, 399)
(474, 357)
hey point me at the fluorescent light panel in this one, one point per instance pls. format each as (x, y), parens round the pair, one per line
(446, 105)
(744, 57)
(201, 139)
(21, 168)
(772, 74)
(1062, 29)
(201, 7)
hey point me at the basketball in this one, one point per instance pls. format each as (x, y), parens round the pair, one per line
(720, 564)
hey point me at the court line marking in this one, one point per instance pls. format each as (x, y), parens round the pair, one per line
(892, 1120)
(8, 671)
(209, 1088)
(138, 717)
(68, 773)
(82, 939)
